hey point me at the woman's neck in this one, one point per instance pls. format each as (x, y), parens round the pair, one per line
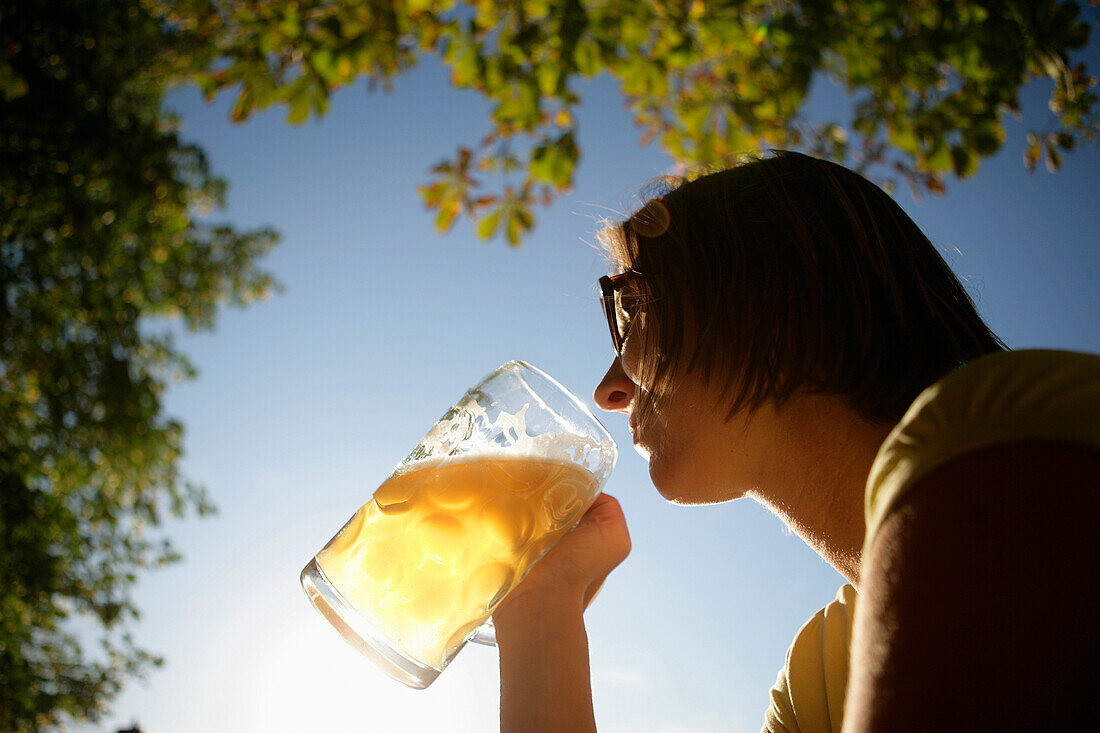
(817, 479)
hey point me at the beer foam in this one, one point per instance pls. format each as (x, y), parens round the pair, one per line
(481, 428)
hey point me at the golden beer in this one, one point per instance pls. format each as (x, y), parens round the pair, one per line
(441, 543)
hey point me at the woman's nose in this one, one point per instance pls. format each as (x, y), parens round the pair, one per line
(615, 390)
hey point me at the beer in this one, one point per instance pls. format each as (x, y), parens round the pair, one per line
(440, 544)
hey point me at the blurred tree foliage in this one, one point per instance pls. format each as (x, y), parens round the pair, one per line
(100, 238)
(929, 82)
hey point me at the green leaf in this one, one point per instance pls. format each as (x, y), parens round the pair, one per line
(525, 217)
(542, 162)
(323, 61)
(549, 76)
(1032, 153)
(1053, 157)
(694, 118)
(487, 227)
(905, 138)
(299, 105)
(242, 107)
(434, 193)
(445, 219)
(514, 229)
(940, 158)
(964, 161)
(1065, 140)
(466, 64)
(565, 162)
(588, 57)
(987, 138)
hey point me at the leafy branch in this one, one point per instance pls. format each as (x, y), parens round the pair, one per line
(930, 82)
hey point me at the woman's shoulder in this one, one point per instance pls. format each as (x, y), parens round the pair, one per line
(978, 586)
(1041, 394)
(809, 691)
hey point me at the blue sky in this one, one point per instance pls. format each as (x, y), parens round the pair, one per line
(306, 401)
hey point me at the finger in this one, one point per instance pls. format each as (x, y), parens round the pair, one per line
(605, 509)
(606, 516)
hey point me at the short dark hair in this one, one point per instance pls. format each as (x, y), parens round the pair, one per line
(795, 273)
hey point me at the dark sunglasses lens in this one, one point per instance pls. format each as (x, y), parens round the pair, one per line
(626, 308)
(608, 303)
(618, 302)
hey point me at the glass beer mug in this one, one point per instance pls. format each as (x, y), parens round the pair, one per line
(417, 572)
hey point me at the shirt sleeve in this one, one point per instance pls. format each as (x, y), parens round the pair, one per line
(1009, 396)
(808, 696)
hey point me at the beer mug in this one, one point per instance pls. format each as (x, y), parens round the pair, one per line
(417, 572)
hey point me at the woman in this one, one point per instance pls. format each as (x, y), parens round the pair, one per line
(785, 332)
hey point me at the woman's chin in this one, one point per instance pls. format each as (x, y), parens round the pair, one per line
(689, 498)
(665, 481)
(670, 483)
(686, 489)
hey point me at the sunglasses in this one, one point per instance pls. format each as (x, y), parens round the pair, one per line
(620, 304)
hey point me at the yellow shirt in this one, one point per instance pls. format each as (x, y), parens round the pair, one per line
(1017, 395)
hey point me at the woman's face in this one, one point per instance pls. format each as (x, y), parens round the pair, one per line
(696, 455)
